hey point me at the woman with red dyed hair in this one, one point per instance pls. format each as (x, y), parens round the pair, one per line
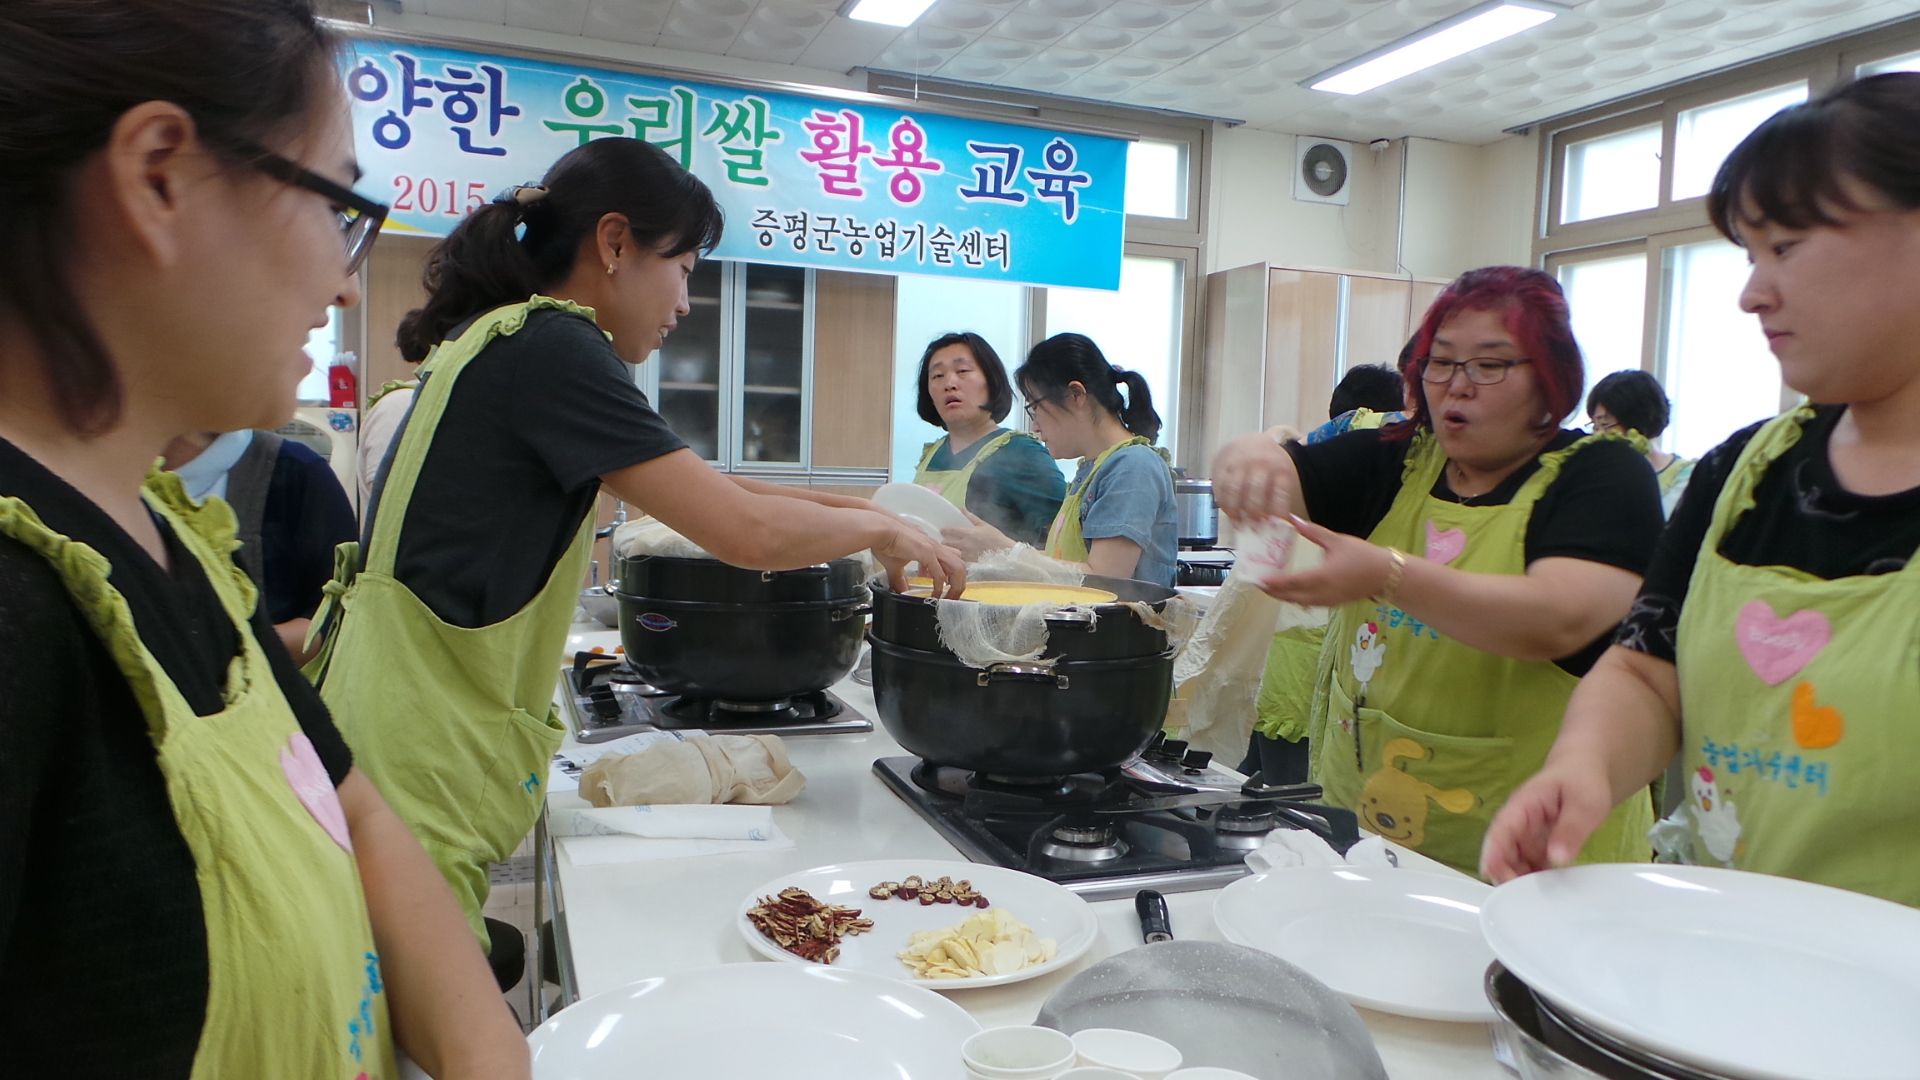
(1478, 557)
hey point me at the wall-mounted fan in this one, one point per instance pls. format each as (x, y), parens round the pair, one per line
(1322, 170)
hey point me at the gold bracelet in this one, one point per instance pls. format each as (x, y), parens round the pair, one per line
(1394, 576)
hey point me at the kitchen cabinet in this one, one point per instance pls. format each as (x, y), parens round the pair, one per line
(1278, 339)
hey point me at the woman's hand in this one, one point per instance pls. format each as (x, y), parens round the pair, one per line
(977, 539)
(937, 561)
(1546, 822)
(1254, 478)
(1353, 570)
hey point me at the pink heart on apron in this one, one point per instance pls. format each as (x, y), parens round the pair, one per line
(1445, 546)
(1776, 649)
(314, 788)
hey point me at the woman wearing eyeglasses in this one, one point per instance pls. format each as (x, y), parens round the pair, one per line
(195, 879)
(1118, 516)
(1477, 556)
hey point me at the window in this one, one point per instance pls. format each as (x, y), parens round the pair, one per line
(1137, 327)
(1607, 299)
(1704, 137)
(1613, 174)
(323, 344)
(924, 309)
(1157, 179)
(1908, 62)
(1715, 362)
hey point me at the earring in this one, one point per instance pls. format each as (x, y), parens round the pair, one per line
(610, 268)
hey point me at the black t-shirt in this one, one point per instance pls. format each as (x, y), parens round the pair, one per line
(1604, 506)
(306, 516)
(532, 424)
(103, 954)
(1801, 518)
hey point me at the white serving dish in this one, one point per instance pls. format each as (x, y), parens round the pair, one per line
(1052, 910)
(1739, 974)
(922, 505)
(1400, 941)
(756, 1020)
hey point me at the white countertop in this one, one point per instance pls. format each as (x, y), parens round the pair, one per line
(637, 920)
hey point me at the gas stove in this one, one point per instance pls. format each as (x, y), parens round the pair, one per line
(606, 700)
(1168, 820)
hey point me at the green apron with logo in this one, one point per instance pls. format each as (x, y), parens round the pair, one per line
(1065, 541)
(456, 725)
(1800, 699)
(951, 484)
(1424, 737)
(1293, 660)
(294, 990)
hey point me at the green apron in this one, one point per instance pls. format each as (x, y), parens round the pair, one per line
(1799, 698)
(1064, 540)
(1425, 737)
(293, 979)
(1293, 660)
(455, 725)
(951, 484)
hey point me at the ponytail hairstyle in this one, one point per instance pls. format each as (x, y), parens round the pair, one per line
(248, 71)
(490, 259)
(1071, 358)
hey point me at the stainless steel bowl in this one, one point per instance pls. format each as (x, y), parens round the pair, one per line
(600, 605)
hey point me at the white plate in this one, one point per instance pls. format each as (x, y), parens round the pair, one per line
(756, 1020)
(1053, 912)
(1740, 974)
(923, 503)
(1400, 941)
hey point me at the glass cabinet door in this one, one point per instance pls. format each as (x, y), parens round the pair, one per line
(773, 364)
(690, 399)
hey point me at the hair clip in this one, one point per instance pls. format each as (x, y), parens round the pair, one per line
(524, 194)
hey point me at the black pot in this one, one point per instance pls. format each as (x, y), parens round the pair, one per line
(742, 652)
(1020, 720)
(715, 582)
(1113, 633)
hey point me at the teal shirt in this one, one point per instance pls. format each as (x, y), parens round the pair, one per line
(1017, 490)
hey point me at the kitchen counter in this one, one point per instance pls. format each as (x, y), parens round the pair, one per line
(636, 920)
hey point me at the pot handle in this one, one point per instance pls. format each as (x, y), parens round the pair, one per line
(841, 614)
(1019, 671)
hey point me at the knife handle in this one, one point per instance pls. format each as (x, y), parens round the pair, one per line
(1155, 925)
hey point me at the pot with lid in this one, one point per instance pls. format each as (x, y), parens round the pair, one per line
(1093, 698)
(701, 628)
(1195, 516)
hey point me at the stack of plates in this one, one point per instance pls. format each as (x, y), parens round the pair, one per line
(1690, 973)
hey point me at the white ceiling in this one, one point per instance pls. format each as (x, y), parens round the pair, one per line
(1239, 59)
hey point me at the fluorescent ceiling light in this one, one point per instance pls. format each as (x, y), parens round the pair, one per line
(1437, 44)
(890, 12)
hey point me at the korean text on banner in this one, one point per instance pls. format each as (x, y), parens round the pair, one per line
(802, 181)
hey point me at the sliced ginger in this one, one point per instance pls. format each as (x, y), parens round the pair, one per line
(992, 942)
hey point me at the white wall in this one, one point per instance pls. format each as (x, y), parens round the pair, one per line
(1466, 206)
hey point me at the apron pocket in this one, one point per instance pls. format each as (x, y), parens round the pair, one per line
(1421, 789)
(516, 784)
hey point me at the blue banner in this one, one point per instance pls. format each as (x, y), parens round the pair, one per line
(803, 181)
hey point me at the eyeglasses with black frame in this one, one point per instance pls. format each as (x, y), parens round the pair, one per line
(1481, 370)
(360, 217)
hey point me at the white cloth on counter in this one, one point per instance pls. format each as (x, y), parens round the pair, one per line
(570, 762)
(646, 833)
(715, 769)
(1288, 848)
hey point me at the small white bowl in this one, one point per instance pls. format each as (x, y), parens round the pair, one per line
(1018, 1053)
(1126, 1051)
(1209, 1072)
(1095, 1072)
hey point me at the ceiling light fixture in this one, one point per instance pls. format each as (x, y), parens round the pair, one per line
(1444, 40)
(890, 12)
